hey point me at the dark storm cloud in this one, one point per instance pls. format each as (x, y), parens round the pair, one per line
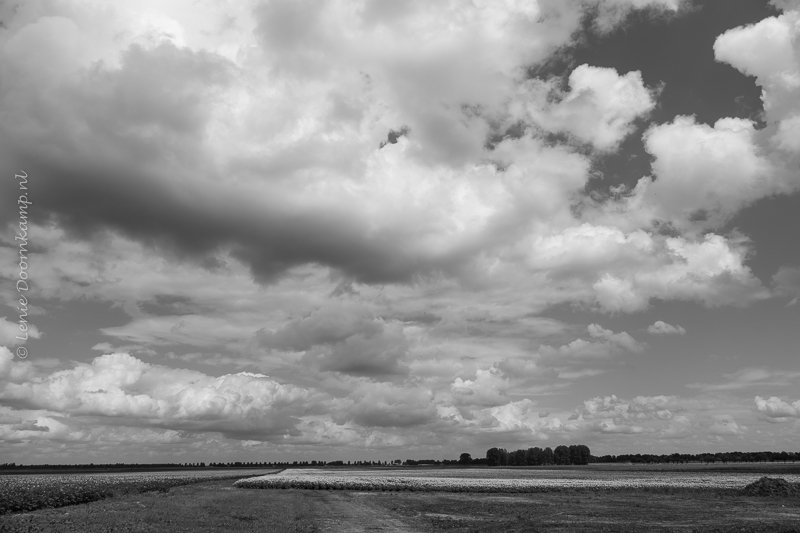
(127, 147)
(97, 192)
(124, 149)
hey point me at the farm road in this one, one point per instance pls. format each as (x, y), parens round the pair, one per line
(351, 512)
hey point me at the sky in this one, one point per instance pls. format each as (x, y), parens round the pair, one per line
(306, 230)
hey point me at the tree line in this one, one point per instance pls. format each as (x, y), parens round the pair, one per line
(560, 455)
(575, 454)
(708, 458)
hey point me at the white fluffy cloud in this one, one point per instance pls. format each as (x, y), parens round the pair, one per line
(657, 417)
(624, 270)
(640, 407)
(231, 163)
(612, 12)
(770, 51)
(582, 357)
(119, 385)
(487, 388)
(659, 327)
(775, 407)
(704, 174)
(599, 108)
(725, 425)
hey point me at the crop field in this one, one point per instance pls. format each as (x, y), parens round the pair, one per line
(692, 501)
(500, 480)
(28, 492)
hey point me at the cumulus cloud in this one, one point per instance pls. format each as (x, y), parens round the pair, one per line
(659, 327)
(704, 174)
(517, 417)
(121, 386)
(767, 50)
(661, 416)
(725, 425)
(273, 185)
(640, 407)
(657, 417)
(230, 164)
(599, 108)
(679, 427)
(582, 357)
(198, 125)
(625, 270)
(117, 395)
(486, 388)
(775, 407)
(770, 51)
(622, 339)
(612, 12)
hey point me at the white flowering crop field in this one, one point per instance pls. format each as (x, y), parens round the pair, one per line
(496, 480)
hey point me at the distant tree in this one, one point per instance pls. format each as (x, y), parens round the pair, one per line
(503, 457)
(547, 456)
(493, 457)
(534, 456)
(573, 454)
(579, 454)
(561, 455)
(465, 459)
(585, 454)
(517, 458)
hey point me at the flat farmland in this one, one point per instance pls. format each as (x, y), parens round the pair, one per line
(29, 492)
(218, 505)
(507, 480)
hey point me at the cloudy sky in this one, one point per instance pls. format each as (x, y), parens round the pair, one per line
(379, 229)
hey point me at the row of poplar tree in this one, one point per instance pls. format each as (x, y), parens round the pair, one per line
(576, 454)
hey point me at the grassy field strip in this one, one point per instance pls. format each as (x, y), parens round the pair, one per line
(28, 492)
(494, 480)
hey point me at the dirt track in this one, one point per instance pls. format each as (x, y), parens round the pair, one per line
(349, 512)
